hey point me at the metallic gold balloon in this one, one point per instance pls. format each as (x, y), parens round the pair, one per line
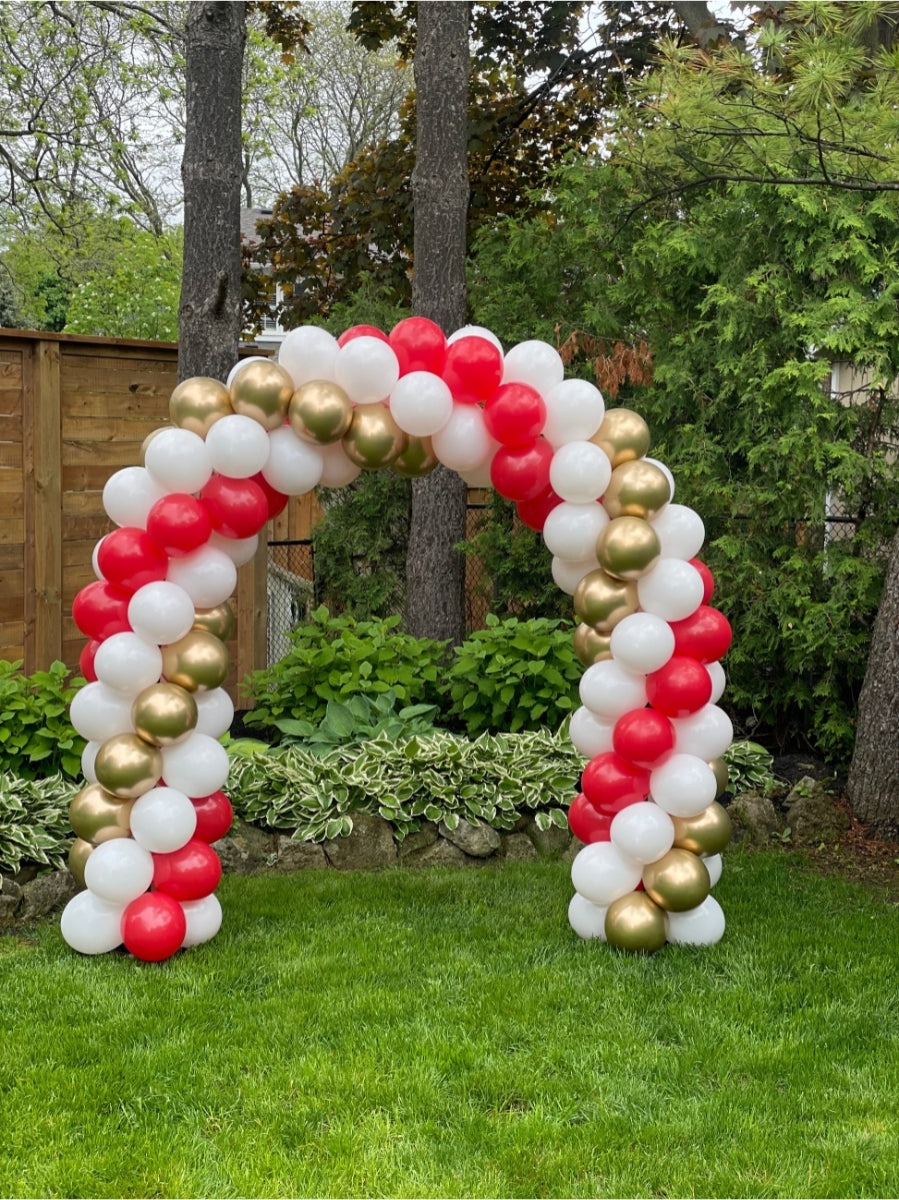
(262, 390)
(678, 881)
(602, 601)
(197, 403)
(591, 646)
(628, 547)
(708, 833)
(634, 923)
(320, 412)
(374, 439)
(417, 459)
(163, 714)
(722, 774)
(198, 662)
(97, 816)
(79, 853)
(127, 766)
(623, 435)
(219, 621)
(147, 440)
(637, 489)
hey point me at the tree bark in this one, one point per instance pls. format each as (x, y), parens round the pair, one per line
(211, 171)
(435, 572)
(873, 784)
(702, 24)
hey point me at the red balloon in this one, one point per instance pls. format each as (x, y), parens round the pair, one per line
(101, 609)
(643, 737)
(189, 873)
(611, 784)
(681, 687)
(708, 579)
(214, 816)
(534, 512)
(361, 331)
(130, 559)
(86, 660)
(153, 926)
(586, 823)
(522, 472)
(238, 508)
(705, 635)
(277, 501)
(515, 414)
(473, 369)
(419, 345)
(179, 524)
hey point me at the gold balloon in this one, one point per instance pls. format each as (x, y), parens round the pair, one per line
(79, 853)
(602, 601)
(708, 833)
(198, 662)
(417, 459)
(628, 547)
(262, 390)
(591, 646)
(97, 816)
(722, 774)
(623, 435)
(196, 404)
(637, 489)
(163, 714)
(127, 766)
(678, 881)
(374, 439)
(219, 621)
(634, 923)
(320, 412)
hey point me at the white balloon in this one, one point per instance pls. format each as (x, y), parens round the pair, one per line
(239, 366)
(590, 735)
(642, 643)
(119, 870)
(602, 874)
(88, 759)
(574, 412)
(535, 363)
(683, 786)
(128, 663)
(163, 820)
(568, 574)
(665, 471)
(609, 690)
(475, 331)
(478, 477)
(706, 733)
(204, 920)
(571, 530)
(238, 446)
(161, 612)
(464, 443)
(421, 403)
(672, 589)
(178, 460)
(588, 920)
(91, 925)
(198, 766)
(701, 926)
(337, 469)
(580, 472)
(129, 494)
(642, 832)
(367, 369)
(680, 531)
(294, 466)
(308, 353)
(714, 865)
(98, 712)
(95, 557)
(719, 681)
(215, 712)
(208, 575)
(239, 550)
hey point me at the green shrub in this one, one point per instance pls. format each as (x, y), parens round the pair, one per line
(34, 820)
(36, 736)
(359, 719)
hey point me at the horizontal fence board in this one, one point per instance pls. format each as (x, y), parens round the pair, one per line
(107, 428)
(12, 532)
(11, 455)
(11, 406)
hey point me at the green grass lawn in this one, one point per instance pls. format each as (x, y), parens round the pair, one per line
(443, 1033)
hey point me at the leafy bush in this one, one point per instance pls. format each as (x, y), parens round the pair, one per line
(360, 719)
(36, 736)
(34, 820)
(748, 768)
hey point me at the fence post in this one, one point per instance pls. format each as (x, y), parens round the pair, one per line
(252, 612)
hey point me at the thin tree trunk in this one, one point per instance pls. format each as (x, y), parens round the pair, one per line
(211, 171)
(435, 572)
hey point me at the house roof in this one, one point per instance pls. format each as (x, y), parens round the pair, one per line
(249, 217)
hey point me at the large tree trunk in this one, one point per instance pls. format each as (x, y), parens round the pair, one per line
(873, 785)
(211, 170)
(435, 572)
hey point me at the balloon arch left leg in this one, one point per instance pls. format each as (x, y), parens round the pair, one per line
(158, 617)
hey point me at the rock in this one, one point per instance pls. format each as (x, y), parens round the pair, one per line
(477, 841)
(754, 818)
(47, 893)
(550, 843)
(8, 906)
(9, 887)
(246, 849)
(425, 836)
(812, 813)
(518, 847)
(439, 854)
(369, 846)
(574, 846)
(299, 856)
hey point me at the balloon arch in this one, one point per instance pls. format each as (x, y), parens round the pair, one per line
(158, 617)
